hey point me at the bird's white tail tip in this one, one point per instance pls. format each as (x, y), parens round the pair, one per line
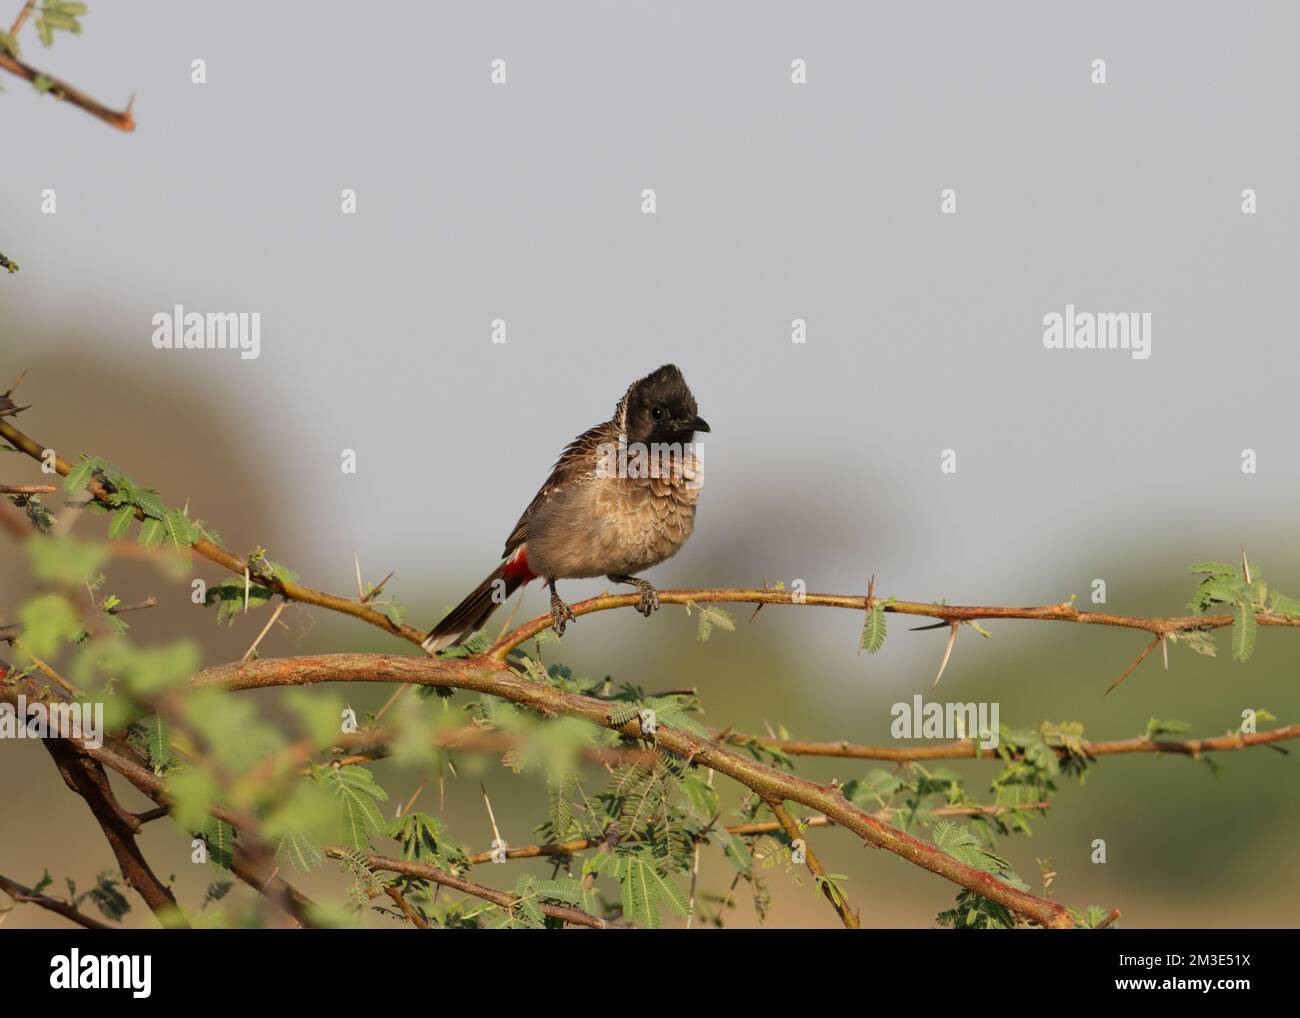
(433, 644)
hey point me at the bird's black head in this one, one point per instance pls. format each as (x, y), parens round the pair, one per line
(660, 408)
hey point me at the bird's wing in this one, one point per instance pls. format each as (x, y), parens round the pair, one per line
(578, 458)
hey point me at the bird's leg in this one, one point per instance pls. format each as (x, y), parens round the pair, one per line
(649, 596)
(559, 610)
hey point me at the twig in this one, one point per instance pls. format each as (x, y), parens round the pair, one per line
(563, 849)
(11, 632)
(49, 672)
(1133, 667)
(275, 615)
(412, 916)
(20, 893)
(847, 916)
(87, 779)
(422, 871)
(372, 744)
(375, 590)
(23, 15)
(123, 120)
(968, 748)
(695, 861)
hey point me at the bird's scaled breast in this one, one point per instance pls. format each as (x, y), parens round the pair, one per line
(618, 524)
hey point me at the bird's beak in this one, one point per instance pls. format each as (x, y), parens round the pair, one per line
(699, 424)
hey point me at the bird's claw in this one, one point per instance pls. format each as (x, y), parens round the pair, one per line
(649, 598)
(559, 613)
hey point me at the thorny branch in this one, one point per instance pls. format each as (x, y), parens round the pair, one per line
(490, 673)
(26, 895)
(423, 871)
(123, 120)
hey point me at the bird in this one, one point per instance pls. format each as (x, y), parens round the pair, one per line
(621, 498)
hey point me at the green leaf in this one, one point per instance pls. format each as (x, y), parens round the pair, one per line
(1157, 727)
(357, 793)
(1195, 640)
(1216, 590)
(736, 852)
(1214, 569)
(568, 891)
(220, 838)
(1243, 632)
(299, 851)
(1288, 606)
(873, 632)
(319, 714)
(396, 611)
(177, 532)
(121, 522)
(151, 533)
(670, 893)
(65, 561)
(150, 503)
(192, 792)
(646, 890)
(158, 735)
(712, 616)
(963, 846)
(47, 622)
(703, 799)
(639, 902)
(111, 903)
(78, 477)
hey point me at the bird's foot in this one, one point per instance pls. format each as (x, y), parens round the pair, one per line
(560, 612)
(649, 598)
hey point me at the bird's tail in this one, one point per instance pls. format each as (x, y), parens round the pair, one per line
(468, 617)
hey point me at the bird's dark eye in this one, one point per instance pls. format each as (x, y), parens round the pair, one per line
(657, 412)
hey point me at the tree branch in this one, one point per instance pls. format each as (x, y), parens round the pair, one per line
(968, 748)
(248, 866)
(484, 675)
(87, 779)
(123, 120)
(20, 893)
(372, 744)
(214, 553)
(422, 871)
(563, 849)
(847, 916)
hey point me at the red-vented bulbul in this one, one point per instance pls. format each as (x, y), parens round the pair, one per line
(620, 499)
